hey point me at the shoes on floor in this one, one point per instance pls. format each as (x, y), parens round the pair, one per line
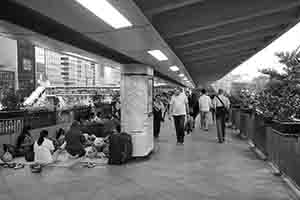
(179, 143)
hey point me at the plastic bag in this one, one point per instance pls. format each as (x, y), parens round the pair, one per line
(198, 122)
(7, 157)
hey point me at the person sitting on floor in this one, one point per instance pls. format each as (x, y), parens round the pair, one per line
(60, 137)
(24, 142)
(74, 141)
(43, 149)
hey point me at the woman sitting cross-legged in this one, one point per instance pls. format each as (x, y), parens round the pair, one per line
(44, 149)
(74, 141)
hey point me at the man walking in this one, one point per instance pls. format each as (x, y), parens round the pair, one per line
(204, 106)
(221, 105)
(179, 110)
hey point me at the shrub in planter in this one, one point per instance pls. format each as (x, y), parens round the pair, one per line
(280, 99)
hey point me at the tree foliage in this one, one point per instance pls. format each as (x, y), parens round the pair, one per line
(281, 96)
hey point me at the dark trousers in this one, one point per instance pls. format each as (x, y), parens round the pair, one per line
(179, 126)
(220, 122)
(157, 123)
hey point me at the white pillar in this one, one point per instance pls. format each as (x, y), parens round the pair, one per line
(136, 107)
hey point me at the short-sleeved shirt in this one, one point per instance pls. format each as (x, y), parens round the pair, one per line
(178, 104)
(218, 103)
(205, 103)
(42, 153)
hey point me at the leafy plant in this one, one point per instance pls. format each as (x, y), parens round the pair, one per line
(281, 97)
(10, 100)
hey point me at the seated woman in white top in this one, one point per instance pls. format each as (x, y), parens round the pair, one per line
(43, 149)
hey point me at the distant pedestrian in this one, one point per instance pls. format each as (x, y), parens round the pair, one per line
(158, 108)
(195, 105)
(221, 104)
(204, 105)
(179, 109)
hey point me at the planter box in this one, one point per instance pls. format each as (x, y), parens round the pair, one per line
(284, 151)
(286, 127)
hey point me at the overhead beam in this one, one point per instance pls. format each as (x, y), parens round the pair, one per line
(236, 57)
(256, 39)
(243, 33)
(218, 55)
(173, 4)
(228, 29)
(212, 14)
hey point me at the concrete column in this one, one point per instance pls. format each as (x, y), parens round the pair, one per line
(136, 107)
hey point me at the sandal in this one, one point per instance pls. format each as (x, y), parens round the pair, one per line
(12, 165)
(89, 165)
(19, 166)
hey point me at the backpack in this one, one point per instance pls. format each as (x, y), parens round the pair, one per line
(120, 148)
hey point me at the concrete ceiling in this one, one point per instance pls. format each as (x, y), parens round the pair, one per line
(69, 22)
(205, 38)
(211, 37)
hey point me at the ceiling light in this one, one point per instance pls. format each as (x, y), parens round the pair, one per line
(185, 79)
(181, 75)
(174, 68)
(158, 55)
(105, 11)
(79, 56)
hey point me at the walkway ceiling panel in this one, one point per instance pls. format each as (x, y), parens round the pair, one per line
(204, 38)
(223, 32)
(133, 42)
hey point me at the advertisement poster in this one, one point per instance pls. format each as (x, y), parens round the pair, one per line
(27, 64)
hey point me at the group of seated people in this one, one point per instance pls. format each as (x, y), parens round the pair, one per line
(74, 142)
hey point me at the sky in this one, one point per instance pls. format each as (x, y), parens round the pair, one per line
(266, 58)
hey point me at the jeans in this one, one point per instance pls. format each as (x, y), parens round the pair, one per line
(204, 119)
(157, 123)
(179, 127)
(220, 121)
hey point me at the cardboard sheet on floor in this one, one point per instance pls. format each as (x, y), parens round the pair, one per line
(64, 160)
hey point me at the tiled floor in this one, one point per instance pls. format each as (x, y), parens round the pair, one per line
(199, 170)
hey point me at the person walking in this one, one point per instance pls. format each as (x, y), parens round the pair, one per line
(179, 109)
(204, 106)
(195, 106)
(158, 109)
(221, 105)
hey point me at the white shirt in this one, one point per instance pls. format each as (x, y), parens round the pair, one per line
(178, 104)
(42, 154)
(217, 102)
(205, 103)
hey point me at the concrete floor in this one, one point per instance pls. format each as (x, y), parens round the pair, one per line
(199, 170)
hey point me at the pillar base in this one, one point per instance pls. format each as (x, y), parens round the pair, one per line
(142, 146)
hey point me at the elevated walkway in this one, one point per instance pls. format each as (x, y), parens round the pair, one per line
(200, 170)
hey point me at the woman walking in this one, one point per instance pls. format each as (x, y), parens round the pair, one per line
(158, 108)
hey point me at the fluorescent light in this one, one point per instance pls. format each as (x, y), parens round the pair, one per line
(181, 75)
(158, 55)
(174, 68)
(79, 56)
(105, 11)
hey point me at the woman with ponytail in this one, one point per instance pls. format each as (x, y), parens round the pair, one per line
(43, 149)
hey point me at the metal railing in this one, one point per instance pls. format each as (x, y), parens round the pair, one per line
(284, 152)
(282, 149)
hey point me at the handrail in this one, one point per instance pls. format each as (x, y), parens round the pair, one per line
(285, 134)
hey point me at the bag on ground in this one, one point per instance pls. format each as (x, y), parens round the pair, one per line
(29, 156)
(198, 122)
(7, 157)
(120, 148)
